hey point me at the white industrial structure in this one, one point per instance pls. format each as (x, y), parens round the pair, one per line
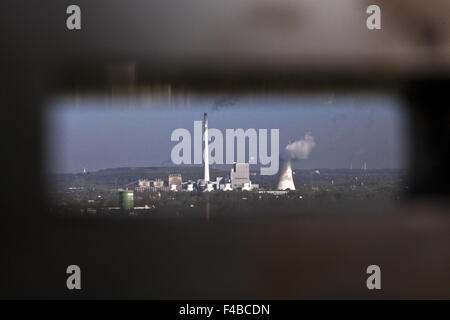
(247, 186)
(206, 152)
(209, 187)
(286, 181)
(144, 183)
(239, 175)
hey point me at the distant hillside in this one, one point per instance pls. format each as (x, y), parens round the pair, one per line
(118, 177)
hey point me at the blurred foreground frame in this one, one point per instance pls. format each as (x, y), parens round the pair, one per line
(260, 47)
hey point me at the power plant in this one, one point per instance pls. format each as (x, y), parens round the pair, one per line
(239, 178)
(239, 175)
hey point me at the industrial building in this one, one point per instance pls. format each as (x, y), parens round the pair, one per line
(175, 182)
(152, 185)
(158, 183)
(143, 185)
(239, 175)
(126, 200)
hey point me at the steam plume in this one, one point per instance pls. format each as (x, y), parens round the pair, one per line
(299, 149)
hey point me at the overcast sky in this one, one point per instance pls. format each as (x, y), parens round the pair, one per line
(95, 133)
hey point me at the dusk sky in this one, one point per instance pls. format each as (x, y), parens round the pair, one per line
(94, 133)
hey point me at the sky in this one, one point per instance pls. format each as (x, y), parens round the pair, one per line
(97, 133)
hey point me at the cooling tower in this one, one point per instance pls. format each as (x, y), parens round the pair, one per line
(286, 181)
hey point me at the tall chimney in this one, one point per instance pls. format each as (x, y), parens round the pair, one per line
(286, 180)
(206, 148)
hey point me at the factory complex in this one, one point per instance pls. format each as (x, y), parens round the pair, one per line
(238, 179)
